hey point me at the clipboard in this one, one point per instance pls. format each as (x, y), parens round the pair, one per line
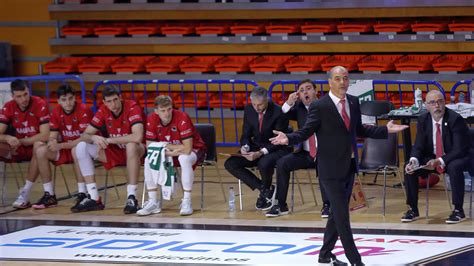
(418, 168)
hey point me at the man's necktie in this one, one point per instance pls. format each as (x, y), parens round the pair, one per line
(260, 121)
(344, 115)
(439, 147)
(312, 146)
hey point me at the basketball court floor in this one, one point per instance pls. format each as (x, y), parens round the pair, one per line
(215, 236)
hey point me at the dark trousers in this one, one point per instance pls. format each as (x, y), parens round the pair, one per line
(454, 169)
(284, 167)
(238, 167)
(338, 225)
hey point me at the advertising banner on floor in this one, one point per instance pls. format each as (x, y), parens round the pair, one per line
(142, 245)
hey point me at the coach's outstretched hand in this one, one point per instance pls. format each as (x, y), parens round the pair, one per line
(279, 139)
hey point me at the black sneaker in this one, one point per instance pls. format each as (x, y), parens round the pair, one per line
(79, 198)
(265, 199)
(47, 201)
(456, 217)
(325, 211)
(88, 204)
(276, 211)
(331, 261)
(131, 206)
(410, 216)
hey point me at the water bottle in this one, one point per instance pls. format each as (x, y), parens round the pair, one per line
(471, 91)
(418, 99)
(231, 199)
(462, 97)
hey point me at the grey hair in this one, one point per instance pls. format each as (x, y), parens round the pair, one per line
(259, 92)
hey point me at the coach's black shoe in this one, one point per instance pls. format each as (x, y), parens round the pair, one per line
(88, 204)
(456, 216)
(265, 199)
(131, 206)
(325, 211)
(79, 198)
(330, 261)
(410, 216)
(276, 211)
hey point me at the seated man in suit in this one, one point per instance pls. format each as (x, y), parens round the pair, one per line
(302, 158)
(441, 144)
(260, 119)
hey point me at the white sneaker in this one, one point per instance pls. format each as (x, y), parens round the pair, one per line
(21, 203)
(186, 207)
(149, 207)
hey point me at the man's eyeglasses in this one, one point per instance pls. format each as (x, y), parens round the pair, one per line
(439, 102)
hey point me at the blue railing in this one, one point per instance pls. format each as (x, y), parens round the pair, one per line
(459, 84)
(47, 79)
(211, 100)
(399, 85)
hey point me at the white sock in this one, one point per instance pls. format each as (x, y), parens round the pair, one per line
(25, 191)
(132, 190)
(92, 190)
(187, 195)
(153, 196)
(48, 187)
(81, 187)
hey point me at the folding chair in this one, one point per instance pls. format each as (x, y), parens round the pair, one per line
(208, 134)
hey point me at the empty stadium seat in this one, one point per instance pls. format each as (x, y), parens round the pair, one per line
(111, 29)
(234, 63)
(269, 63)
(191, 100)
(355, 26)
(97, 64)
(226, 100)
(248, 27)
(131, 64)
(395, 26)
(283, 27)
(319, 27)
(348, 61)
(164, 64)
(213, 28)
(63, 65)
(378, 62)
(429, 26)
(416, 62)
(79, 29)
(305, 63)
(144, 28)
(199, 64)
(179, 28)
(453, 62)
(462, 25)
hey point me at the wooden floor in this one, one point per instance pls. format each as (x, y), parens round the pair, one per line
(306, 210)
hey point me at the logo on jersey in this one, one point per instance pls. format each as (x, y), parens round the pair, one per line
(25, 124)
(183, 122)
(167, 138)
(69, 127)
(174, 129)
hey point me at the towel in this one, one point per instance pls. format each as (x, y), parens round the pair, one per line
(160, 168)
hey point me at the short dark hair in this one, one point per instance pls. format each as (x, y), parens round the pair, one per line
(18, 85)
(306, 81)
(110, 90)
(64, 89)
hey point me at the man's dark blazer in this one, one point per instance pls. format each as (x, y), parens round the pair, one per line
(455, 134)
(298, 112)
(273, 119)
(335, 142)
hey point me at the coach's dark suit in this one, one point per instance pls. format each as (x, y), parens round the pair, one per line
(336, 167)
(300, 159)
(455, 135)
(273, 119)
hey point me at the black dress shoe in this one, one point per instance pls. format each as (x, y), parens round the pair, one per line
(330, 261)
